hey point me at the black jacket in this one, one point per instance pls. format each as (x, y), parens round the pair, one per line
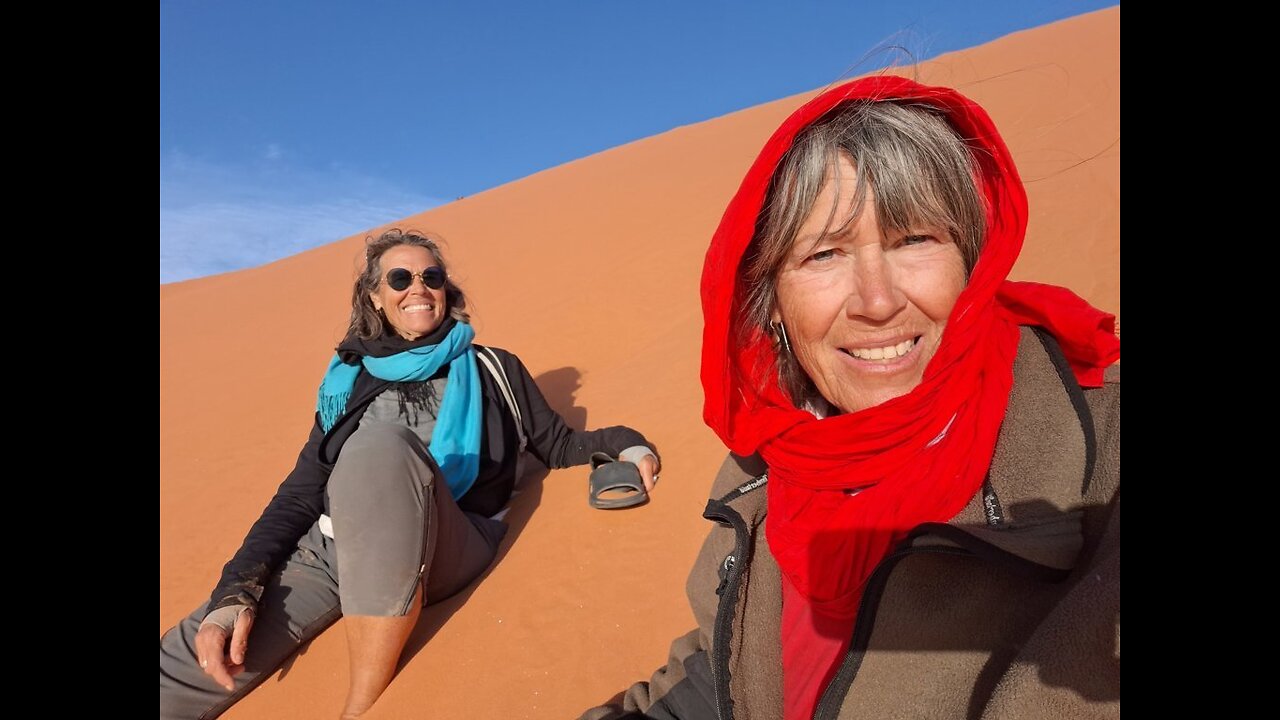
(301, 498)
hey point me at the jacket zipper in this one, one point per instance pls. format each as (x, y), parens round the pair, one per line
(838, 688)
(728, 592)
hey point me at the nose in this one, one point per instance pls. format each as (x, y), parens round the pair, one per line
(875, 295)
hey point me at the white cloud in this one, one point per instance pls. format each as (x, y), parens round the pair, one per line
(220, 218)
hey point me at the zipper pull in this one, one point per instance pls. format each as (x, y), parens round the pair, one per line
(727, 567)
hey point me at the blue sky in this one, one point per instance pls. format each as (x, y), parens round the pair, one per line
(288, 124)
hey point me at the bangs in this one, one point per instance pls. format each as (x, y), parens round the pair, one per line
(920, 173)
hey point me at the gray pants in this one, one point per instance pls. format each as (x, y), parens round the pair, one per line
(393, 530)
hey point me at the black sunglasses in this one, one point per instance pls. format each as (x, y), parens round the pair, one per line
(400, 279)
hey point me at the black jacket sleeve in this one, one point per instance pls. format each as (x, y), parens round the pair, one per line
(551, 440)
(299, 500)
(297, 503)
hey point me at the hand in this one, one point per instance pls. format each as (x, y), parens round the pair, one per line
(649, 468)
(211, 642)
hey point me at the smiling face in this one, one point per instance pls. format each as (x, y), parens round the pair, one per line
(864, 307)
(416, 310)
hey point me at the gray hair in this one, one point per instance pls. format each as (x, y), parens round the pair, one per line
(366, 321)
(923, 173)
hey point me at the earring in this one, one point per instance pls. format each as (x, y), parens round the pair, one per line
(781, 331)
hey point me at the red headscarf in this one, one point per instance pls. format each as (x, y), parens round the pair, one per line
(923, 455)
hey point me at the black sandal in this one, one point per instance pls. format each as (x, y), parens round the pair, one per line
(609, 475)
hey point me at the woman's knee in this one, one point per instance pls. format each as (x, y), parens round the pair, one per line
(381, 460)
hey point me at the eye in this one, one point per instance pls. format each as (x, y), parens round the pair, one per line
(822, 255)
(917, 239)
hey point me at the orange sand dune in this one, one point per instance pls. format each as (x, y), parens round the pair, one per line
(588, 271)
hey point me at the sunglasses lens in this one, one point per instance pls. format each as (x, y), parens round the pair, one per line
(399, 279)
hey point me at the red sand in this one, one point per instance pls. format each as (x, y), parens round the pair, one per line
(589, 272)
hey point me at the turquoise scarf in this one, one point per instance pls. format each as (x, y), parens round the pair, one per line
(455, 442)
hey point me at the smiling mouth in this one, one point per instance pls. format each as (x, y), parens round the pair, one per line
(885, 354)
(419, 308)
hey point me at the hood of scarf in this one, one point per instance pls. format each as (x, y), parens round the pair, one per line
(923, 455)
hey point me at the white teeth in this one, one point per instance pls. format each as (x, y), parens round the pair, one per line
(888, 352)
(419, 308)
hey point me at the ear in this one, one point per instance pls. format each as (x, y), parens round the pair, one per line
(775, 315)
(377, 304)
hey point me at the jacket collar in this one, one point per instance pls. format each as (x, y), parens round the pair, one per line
(1029, 509)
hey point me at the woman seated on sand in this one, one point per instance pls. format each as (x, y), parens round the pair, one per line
(415, 445)
(920, 514)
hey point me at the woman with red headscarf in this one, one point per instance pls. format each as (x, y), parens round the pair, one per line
(920, 513)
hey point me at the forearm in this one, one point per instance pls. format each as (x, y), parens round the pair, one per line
(681, 689)
(297, 504)
(268, 544)
(575, 447)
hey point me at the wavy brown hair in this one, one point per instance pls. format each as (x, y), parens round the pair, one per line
(366, 321)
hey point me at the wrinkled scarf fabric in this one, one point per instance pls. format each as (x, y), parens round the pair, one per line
(455, 441)
(921, 456)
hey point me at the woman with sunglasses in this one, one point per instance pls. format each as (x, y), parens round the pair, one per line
(415, 446)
